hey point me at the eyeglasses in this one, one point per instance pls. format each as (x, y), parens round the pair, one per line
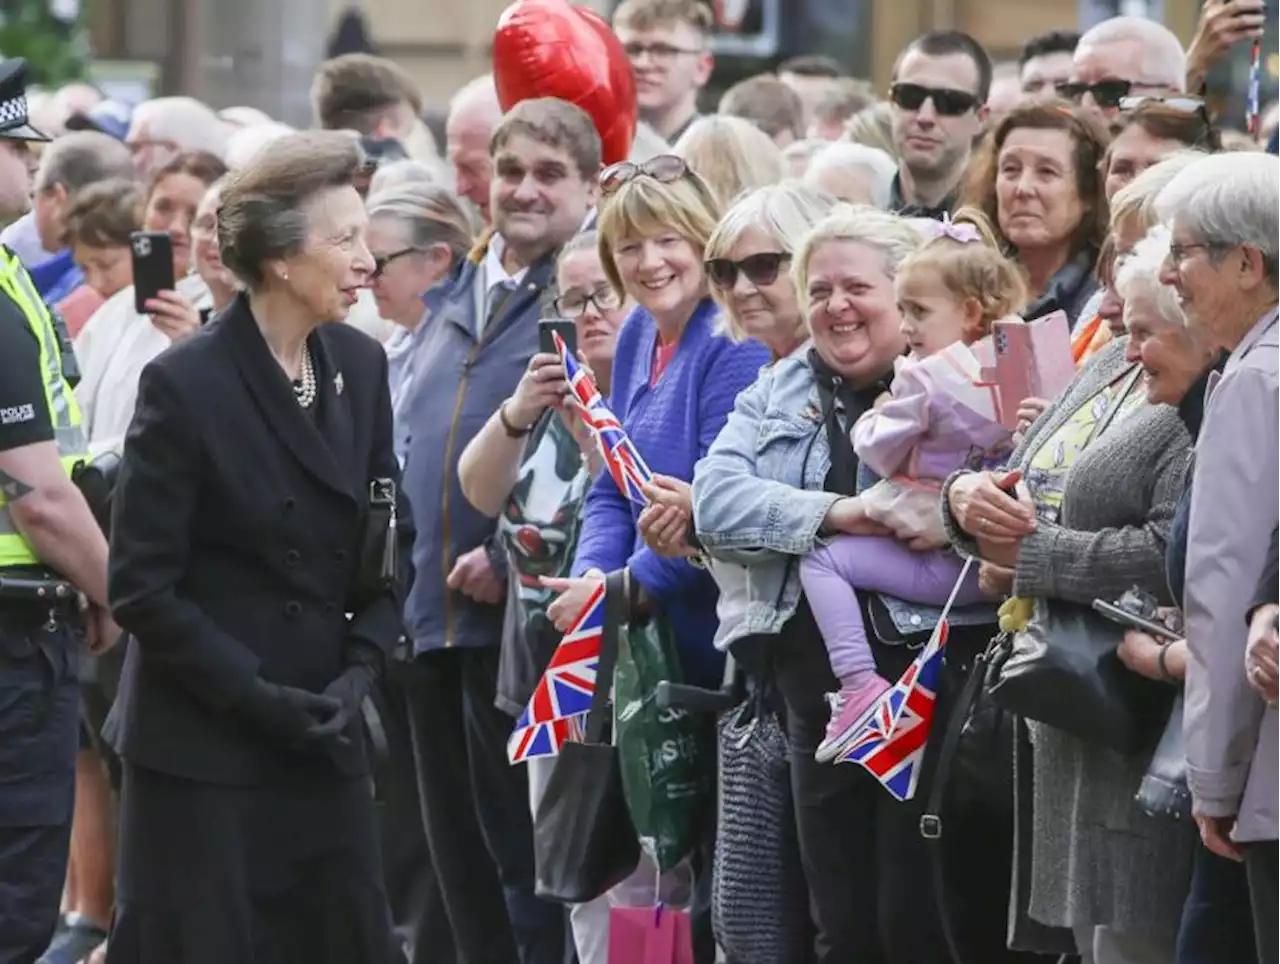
(380, 264)
(1180, 252)
(1106, 93)
(946, 101)
(658, 53)
(665, 169)
(573, 304)
(761, 269)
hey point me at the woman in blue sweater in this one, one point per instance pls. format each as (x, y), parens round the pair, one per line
(675, 379)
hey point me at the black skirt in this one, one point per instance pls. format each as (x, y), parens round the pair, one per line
(213, 874)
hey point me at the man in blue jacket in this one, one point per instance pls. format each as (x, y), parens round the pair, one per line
(483, 331)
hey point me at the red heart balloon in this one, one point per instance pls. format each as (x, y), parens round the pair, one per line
(551, 48)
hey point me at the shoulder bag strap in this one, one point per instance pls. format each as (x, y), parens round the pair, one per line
(615, 616)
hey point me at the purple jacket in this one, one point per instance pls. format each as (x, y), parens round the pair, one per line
(672, 425)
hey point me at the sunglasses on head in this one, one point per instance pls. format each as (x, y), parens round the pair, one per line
(947, 102)
(1187, 105)
(665, 169)
(760, 269)
(1106, 93)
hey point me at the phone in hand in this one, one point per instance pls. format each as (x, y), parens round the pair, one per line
(558, 326)
(1131, 621)
(152, 266)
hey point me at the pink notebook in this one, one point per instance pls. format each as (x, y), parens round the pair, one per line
(1033, 360)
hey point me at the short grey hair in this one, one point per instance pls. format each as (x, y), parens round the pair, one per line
(480, 92)
(82, 158)
(190, 124)
(1137, 279)
(786, 212)
(246, 142)
(429, 214)
(847, 156)
(404, 173)
(1164, 61)
(1226, 200)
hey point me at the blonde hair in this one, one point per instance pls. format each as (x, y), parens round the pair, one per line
(1137, 199)
(786, 212)
(976, 270)
(894, 237)
(731, 155)
(645, 206)
(872, 127)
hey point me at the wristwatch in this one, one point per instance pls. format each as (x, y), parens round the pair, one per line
(512, 430)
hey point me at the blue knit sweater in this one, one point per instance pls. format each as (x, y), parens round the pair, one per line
(672, 424)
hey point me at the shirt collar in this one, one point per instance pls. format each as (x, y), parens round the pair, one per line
(494, 273)
(1255, 333)
(910, 209)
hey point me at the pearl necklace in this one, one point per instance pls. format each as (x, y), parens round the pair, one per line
(304, 389)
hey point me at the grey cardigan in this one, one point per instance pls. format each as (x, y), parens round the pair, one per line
(1099, 860)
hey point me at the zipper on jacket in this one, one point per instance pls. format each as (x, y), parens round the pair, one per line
(448, 486)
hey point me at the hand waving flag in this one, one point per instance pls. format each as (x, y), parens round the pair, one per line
(562, 697)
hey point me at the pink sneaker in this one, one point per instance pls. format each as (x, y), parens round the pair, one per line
(847, 708)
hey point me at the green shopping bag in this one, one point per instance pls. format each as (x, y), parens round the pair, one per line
(665, 754)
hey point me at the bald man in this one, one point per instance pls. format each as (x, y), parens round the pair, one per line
(1125, 57)
(474, 113)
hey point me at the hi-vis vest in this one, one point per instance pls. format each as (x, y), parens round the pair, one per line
(64, 413)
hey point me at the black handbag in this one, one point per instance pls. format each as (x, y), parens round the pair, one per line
(1164, 791)
(1063, 671)
(378, 562)
(583, 839)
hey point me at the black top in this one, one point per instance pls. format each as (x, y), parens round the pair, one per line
(236, 529)
(911, 209)
(24, 413)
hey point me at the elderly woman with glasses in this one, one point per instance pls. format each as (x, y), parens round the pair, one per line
(1222, 215)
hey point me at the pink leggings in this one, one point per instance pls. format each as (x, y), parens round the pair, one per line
(831, 575)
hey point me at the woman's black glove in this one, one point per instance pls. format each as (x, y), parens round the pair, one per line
(291, 716)
(350, 689)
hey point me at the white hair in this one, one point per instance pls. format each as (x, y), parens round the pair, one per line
(481, 92)
(844, 156)
(190, 124)
(1137, 279)
(786, 212)
(246, 142)
(647, 143)
(243, 116)
(1164, 61)
(1225, 200)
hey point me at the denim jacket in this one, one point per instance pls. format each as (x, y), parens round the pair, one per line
(758, 501)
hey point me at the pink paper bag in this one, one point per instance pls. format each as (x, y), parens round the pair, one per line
(650, 935)
(1033, 360)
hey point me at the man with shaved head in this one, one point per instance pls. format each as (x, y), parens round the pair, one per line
(474, 114)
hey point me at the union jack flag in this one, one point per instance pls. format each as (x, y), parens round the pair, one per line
(620, 456)
(562, 697)
(895, 730)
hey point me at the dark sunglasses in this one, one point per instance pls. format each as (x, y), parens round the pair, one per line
(380, 264)
(665, 168)
(947, 102)
(761, 269)
(1106, 93)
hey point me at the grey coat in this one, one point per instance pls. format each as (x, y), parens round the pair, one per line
(1096, 858)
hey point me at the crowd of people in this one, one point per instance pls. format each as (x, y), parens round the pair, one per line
(774, 299)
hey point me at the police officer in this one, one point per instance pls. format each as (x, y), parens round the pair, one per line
(52, 554)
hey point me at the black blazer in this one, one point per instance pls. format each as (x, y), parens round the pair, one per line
(235, 530)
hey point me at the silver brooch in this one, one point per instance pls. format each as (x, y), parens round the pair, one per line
(338, 383)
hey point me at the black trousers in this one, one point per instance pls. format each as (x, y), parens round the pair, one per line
(39, 720)
(417, 903)
(475, 804)
(868, 868)
(1261, 861)
(287, 874)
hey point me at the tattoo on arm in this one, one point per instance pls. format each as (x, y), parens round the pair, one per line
(13, 489)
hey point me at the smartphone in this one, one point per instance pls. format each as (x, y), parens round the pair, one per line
(1126, 618)
(152, 266)
(559, 326)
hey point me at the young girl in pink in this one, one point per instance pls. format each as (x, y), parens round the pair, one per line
(931, 423)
